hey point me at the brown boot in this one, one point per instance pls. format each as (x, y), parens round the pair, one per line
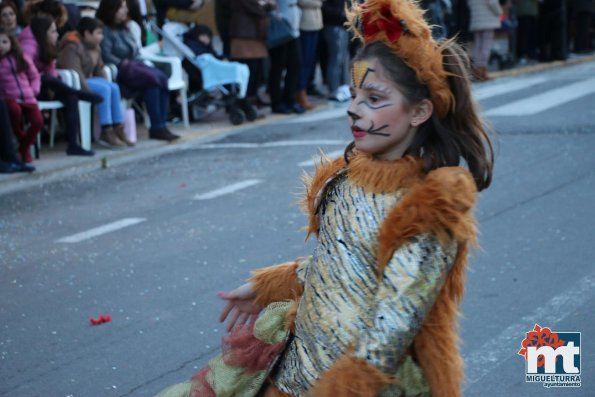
(302, 98)
(119, 131)
(108, 136)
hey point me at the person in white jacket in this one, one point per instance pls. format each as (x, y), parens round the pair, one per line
(485, 19)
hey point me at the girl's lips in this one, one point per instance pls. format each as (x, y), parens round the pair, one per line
(358, 133)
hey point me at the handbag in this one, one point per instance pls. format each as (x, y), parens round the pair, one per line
(279, 31)
(130, 125)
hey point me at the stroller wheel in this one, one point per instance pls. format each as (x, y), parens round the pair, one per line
(236, 116)
(250, 111)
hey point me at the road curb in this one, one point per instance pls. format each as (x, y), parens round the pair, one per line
(196, 136)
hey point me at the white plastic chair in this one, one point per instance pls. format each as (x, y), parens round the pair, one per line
(176, 81)
(70, 78)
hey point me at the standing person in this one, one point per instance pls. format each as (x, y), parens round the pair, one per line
(19, 86)
(310, 27)
(375, 308)
(248, 33)
(9, 162)
(336, 38)
(118, 47)
(526, 12)
(485, 19)
(286, 57)
(40, 42)
(80, 51)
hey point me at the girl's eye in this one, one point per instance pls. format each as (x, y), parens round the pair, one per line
(374, 99)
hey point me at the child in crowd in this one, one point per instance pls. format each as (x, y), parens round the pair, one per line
(39, 41)
(375, 307)
(80, 51)
(19, 86)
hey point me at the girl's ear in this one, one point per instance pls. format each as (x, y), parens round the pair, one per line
(422, 112)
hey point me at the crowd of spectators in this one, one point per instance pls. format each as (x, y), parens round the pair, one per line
(38, 36)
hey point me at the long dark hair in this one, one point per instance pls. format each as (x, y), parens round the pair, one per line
(16, 51)
(461, 135)
(106, 12)
(40, 25)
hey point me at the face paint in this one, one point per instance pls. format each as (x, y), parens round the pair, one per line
(359, 72)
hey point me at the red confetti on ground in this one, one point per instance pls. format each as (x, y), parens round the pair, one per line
(104, 318)
(182, 185)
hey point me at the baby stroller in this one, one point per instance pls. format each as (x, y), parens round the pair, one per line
(215, 83)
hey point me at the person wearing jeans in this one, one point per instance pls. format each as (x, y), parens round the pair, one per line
(310, 27)
(336, 38)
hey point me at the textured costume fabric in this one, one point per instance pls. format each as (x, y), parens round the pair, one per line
(352, 308)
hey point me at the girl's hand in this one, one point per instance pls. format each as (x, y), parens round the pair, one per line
(240, 302)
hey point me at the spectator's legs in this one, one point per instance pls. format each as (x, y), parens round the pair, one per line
(71, 118)
(31, 113)
(309, 42)
(293, 63)
(7, 149)
(337, 69)
(116, 103)
(156, 103)
(278, 57)
(101, 87)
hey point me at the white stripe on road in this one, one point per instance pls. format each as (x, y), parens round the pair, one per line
(497, 350)
(98, 231)
(316, 159)
(547, 100)
(228, 189)
(320, 116)
(241, 145)
(492, 90)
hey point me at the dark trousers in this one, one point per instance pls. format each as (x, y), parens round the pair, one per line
(309, 44)
(527, 37)
(7, 149)
(284, 57)
(257, 68)
(69, 98)
(157, 102)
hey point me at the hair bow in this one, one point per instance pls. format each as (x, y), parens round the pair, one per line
(385, 23)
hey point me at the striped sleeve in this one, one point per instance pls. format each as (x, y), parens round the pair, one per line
(411, 283)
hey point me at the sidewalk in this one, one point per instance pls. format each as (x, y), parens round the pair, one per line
(54, 164)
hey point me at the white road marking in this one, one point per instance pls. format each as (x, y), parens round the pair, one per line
(98, 231)
(241, 145)
(316, 159)
(227, 189)
(497, 350)
(320, 116)
(544, 101)
(492, 90)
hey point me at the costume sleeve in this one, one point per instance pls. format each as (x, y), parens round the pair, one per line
(280, 282)
(411, 283)
(410, 286)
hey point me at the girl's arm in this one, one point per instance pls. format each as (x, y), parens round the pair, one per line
(412, 281)
(279, 282)
(33, 76)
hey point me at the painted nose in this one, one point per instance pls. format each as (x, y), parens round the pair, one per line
(353, 116)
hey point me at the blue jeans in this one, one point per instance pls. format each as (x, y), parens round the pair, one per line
(110, 110)
(337, 67)
(157, 102)
(309, 42)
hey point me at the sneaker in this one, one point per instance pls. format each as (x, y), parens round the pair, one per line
(22, 167)
(8, 168)
(78, 151)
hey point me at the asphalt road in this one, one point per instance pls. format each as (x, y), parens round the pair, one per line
(174, 239)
